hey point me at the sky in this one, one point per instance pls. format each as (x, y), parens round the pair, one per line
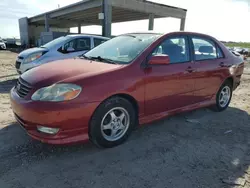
(227, 20)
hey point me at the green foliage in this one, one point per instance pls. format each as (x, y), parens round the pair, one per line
(238, 44)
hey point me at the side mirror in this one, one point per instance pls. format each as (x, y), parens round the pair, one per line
(70, 49)
(159, 60)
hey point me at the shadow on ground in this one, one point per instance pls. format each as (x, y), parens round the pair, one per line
(10, 75)
(170, 153)
(15, 50)
(6, 85)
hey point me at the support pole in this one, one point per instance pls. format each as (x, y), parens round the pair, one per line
(46, 22)
(79, 28)
(151, 22)
(182, 26)
(107, 21)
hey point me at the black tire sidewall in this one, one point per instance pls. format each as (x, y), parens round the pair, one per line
(218, 106)
(95, 133)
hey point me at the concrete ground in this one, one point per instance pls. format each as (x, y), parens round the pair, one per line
(197, 149)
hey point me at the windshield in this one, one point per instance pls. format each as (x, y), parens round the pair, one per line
(55, 42)
(124, 48)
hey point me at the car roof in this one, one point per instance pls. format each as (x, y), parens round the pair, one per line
(190, 33)
(86, 35)
(171, 33)
(138, 33)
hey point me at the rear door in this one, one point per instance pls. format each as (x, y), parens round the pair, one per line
(168, 87)
(209, 65)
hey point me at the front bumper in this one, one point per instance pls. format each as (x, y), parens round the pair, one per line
(71, 118)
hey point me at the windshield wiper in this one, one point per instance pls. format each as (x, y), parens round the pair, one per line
(99, 58)
(85, 57)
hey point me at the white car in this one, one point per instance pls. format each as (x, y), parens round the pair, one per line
(65, 47)
(2, 45)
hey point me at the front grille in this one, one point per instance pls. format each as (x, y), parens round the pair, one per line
(22, 88)
(18, 64)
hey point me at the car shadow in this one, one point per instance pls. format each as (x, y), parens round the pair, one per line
(6, 76)
(196, 149)
(6, 85)
(15, 50)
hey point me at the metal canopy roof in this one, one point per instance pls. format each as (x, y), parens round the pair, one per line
(86, 12)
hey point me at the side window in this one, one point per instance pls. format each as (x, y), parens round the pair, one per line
(82, 44)
(204, 49)
(219, 53)
(98, 41)
(69, 45)
(176, 48)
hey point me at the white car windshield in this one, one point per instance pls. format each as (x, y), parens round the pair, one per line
(55, 42)
(122, 49)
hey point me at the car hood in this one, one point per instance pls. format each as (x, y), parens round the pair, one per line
(1, 43)
(62, 70)
(30, 51)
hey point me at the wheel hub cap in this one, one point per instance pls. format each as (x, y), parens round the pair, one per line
(115, 124)
(225, 96)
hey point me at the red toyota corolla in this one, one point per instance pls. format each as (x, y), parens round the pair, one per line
(129, 80)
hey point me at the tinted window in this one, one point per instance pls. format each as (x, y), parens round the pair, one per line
(82, 44)
(70, 44)
(55, 42)
(219, 53)
(204, 49)
(176, 48)
(98, 41)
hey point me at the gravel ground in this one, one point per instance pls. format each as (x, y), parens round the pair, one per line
(196, 149)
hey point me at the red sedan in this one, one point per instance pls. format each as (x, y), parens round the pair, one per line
(129, 80)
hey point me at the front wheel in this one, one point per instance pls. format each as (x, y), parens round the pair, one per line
(112, 122)
(223, 97)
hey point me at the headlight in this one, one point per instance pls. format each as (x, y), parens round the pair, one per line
(33, 57)
(57, 92)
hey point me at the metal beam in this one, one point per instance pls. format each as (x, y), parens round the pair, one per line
(182, 26)
(80, 6)
(84, 6)
(151, 22)
(85, 13)
(150, 8)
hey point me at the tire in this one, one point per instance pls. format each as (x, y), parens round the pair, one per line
(107, 120)
(221, 106)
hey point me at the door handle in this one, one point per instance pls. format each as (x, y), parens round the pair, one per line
(190, 69)
(222, 64)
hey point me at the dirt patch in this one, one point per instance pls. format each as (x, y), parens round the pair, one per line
(197, 149)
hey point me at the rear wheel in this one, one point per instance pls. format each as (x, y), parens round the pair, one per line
(223, 97)
(112, 122)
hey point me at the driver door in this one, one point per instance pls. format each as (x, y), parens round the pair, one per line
(169, 87)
